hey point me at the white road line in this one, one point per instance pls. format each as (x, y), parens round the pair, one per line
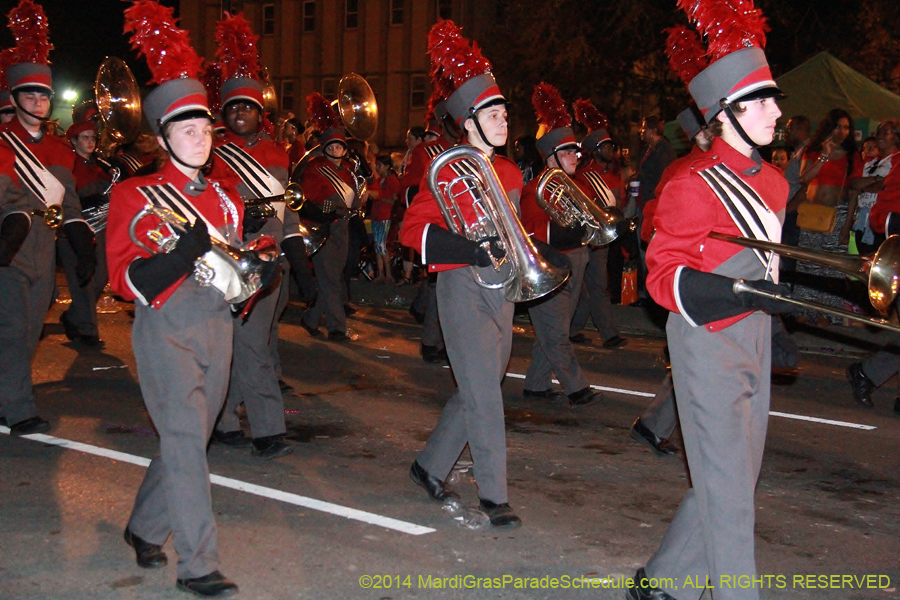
(771, 413)
(242, 486)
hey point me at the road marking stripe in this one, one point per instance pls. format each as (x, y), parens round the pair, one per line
(242, 486)
(771, 413)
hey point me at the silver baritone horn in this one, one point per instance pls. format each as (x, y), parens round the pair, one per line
(237, 273)
(568, 206)
(531, 275)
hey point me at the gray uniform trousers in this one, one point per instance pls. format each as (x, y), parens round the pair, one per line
(254, 379)
(183, 354)
(329, 263)
(552, 351)
(82, 313)
(26, 291)
(882, 365)
(661, 417)
(594, 298)
(722, 387)
(426, 303)
(478, 323)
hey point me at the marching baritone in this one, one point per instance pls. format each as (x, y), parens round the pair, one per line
(259, 168)
(477, 322)
(44, 166)
(552, 314)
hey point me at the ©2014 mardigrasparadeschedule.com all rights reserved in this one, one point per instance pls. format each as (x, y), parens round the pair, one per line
(582, 582)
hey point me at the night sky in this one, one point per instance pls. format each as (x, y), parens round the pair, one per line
(83, 33)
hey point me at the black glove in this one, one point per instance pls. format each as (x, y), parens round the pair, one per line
(566, 238)
(443, 247)
(194, 242)
(707, 297)
(251, 225)
(552, 255)
(314, 212)
(785, 353)
(93, 201)
(81, 238)
(492, 243)
(13, 232)
(769, 305)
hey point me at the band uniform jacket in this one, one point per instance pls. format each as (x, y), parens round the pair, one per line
(127, 200)
(424, 211)
(689, 210)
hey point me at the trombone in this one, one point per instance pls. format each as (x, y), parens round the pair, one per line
(881, 271)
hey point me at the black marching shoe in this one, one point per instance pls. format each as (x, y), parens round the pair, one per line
(579, 338)
(313, 331)
(584, 397)
(861, 386)
(148, 556)
(437, 489)
(214, 584)
(270, 447)
(501, 515)
(643, 434)
(230, 438)
(71, 331)
(549, 394)
(615, 341)
(29, 426)
(643, 591)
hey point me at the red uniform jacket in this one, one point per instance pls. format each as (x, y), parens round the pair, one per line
(322, 180)
(424, 211)
(650, 206)
(126, 201)
(888, 200)
(688, 211)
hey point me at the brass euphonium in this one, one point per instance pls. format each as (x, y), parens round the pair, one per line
(881, 270)
(531, 275)
(568, 206)
(237, 273)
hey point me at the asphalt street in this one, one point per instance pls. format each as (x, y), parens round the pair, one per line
(340, 519)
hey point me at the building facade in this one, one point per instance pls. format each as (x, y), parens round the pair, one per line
(308, 45)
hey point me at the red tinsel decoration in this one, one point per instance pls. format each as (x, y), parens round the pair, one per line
(7, 58)
(237, 47)
(28, 24)
(437, 96)
(728, 25)
(550, 107)
(686, 55)
(212, 81)
(166, 47)
(452, 56)
(588, 115)
(320, 112)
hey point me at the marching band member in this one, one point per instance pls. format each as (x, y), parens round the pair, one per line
(91, 181)
(259, 168)
(182, 333)
(594, 176)
(477, 322)
(44, 166)
(551, 315)
(719, 340)
(328, 183)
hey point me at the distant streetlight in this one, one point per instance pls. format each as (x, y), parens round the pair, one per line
(70, 95)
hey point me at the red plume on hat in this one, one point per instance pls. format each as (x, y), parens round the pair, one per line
(155, 35)
(453, 56)
(550, 107)
(728, 26)
(211, 78)
(686, 54)
(29, 26)
(321, 113)
(237, 51)
(7, 58)
(588, 115)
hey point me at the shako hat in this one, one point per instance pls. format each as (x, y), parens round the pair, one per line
(28, 66)
(594, 121)
(555, 131)
(238, 55)
(325, 120)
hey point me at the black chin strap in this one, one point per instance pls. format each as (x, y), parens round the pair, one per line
(31, 114)
(480, 130)
(175, 157)
(736, 125)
